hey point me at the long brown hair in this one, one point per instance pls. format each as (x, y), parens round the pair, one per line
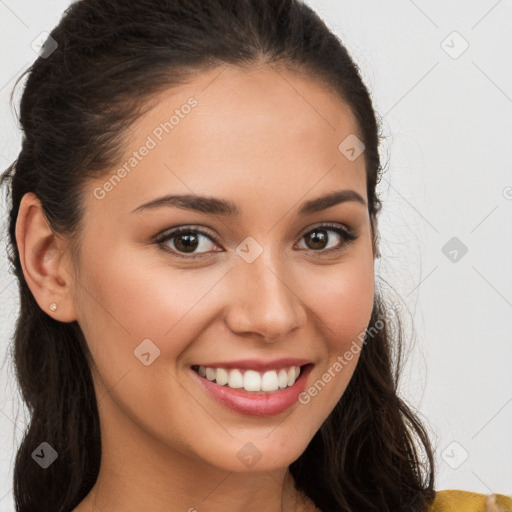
(112, 56)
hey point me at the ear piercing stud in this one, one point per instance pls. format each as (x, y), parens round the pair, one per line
(53, 306)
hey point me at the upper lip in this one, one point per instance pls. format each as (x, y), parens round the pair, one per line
(258, 364)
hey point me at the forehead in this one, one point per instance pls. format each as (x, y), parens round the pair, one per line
(241, 134)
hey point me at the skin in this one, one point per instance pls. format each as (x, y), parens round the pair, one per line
(266, 140)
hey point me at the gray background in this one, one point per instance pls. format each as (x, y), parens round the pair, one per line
(447, 118)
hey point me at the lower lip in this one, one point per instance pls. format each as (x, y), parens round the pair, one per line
(254, 404)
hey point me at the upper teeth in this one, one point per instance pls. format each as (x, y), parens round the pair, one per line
(252, 380)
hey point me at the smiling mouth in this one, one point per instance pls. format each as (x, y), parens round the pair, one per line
(252, 381)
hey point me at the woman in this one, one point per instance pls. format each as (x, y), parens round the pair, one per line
(194, 230)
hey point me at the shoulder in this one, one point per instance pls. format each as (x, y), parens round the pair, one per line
(452, 500)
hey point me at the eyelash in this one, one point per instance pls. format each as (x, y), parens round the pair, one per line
(348, 236)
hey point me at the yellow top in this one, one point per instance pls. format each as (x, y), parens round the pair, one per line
(451, 500)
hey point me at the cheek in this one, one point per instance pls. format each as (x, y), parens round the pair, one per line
(341, 298)
(342, 301)
(125, 301)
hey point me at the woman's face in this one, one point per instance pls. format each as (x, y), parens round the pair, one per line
(260, 285)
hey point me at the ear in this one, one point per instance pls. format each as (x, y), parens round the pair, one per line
(43, 257)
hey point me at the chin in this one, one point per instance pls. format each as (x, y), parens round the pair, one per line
(256, 455)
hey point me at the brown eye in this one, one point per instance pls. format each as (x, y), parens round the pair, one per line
(186, 240)
(318, 239)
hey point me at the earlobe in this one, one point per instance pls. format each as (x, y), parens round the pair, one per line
(41, 260)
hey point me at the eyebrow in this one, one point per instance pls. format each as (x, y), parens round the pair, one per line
(216, 206)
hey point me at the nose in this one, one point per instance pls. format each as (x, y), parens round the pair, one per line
(263, 301)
